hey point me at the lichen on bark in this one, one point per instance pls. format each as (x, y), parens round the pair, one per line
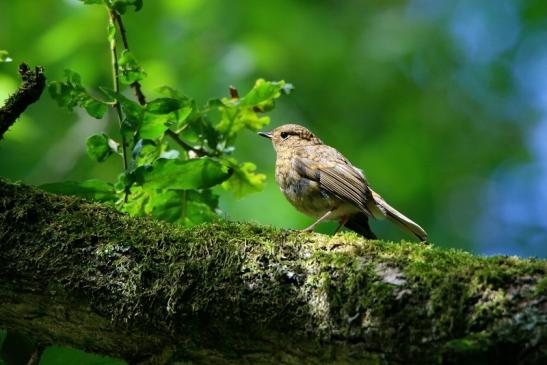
(81, 274)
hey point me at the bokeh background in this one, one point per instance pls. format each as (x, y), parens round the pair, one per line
(443, 103)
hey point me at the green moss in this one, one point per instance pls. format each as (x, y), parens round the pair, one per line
(473, 343)
(472, 349)
(411, 300)
(541, 287)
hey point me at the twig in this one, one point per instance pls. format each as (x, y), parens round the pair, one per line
(116, 83)
(29, 92)
(233, 92)
(136, 86)
(199, 152)
(36, 355)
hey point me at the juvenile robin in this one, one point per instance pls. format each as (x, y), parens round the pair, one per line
(320, 182)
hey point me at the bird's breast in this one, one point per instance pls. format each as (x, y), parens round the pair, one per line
(304, 194)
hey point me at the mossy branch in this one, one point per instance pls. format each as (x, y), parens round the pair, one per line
(28, 92)
(80, 274)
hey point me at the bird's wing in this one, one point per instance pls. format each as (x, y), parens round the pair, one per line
(334, 173)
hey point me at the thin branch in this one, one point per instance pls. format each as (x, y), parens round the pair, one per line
(136, 86)
(36, 355)
(233, 92)
(29, 92)
(199, 152)
(116, 83)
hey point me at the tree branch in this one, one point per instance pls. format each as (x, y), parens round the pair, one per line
(236, 293)
(29, 92)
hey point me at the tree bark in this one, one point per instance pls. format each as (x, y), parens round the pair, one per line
(34, 82)
(80, 274)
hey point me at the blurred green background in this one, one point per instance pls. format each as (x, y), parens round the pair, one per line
(442, 103)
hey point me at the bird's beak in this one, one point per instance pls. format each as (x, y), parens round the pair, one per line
(265, 134)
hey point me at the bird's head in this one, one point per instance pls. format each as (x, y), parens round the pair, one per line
(291, 135)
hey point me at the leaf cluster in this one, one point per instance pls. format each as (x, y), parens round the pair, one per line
(174, 150)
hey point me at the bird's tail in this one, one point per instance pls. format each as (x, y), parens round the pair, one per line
(393, 215)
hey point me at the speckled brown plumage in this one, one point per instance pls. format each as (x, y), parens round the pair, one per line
(320, 182)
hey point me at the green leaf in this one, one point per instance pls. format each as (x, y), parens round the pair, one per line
(4, 56)
(252, 120)
(153, 126)
(137, 4)
(147, 151)
(93, 189)
(184, 207)
(215, 103)
(183, 116)
(133, 111)
(167, 205)
(137, 200)
(244, 112)
(244, 180)
(73, 78)
(134, 176)
(171, 92)
(100, 147)
(70, 93)
(205, 196)
(94, 107)
(198, 212)
(163, 105)
(67, 93)
(130, 70)
(128, 106)
(61, 95)
(235, 119)
(121, 5)
(189, 174)
(200, 132)
(264, 92)
(183, 112)
(111, 94)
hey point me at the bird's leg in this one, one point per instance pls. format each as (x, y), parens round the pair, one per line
(313, 225)
(342, 223)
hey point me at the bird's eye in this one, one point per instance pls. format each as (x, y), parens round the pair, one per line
(284, 135)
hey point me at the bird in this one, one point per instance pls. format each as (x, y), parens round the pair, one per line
(320, 182)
